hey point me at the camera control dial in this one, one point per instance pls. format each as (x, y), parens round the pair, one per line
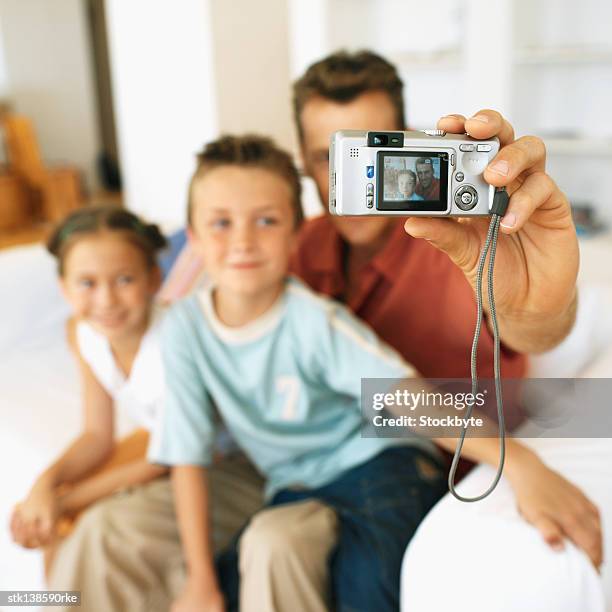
(474, 163)
(466, 197)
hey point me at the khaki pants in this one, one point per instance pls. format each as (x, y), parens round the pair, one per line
(124, 553)
(283, 558)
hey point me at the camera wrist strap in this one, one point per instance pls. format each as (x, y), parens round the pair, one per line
(498, 210)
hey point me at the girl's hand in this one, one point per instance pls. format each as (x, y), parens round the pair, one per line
(33, 521)
(199, 598)
(557, 508)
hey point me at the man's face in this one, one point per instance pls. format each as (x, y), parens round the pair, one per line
(425, 174)
(321, 117)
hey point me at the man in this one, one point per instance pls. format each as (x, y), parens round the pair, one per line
(415, 299)
(417, 294)
(363, 91)
(428, 187)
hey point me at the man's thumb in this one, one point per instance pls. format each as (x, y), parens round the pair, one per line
(459, 241)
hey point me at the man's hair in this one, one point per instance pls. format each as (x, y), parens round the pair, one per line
(343, 76)
(424, 161)
(248, 151)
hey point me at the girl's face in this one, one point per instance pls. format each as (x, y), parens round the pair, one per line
(108, 283)
(243, 228)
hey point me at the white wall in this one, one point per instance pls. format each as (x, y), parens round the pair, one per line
(3, 90)
(227, 66)
(187, 72)
(488, 69)
(546, 65)
(251, 43)
(308, 33)
(48, 77)
(3, 72)
(164, 99)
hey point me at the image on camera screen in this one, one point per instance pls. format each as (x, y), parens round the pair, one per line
(411, 178)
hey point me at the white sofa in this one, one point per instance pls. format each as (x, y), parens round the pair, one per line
(460, 551)
(483, 557)
(39, 393)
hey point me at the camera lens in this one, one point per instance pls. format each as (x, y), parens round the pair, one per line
(381, 140)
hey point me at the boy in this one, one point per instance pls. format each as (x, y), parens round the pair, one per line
(283, 366)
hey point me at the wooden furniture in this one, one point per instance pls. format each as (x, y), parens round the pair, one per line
(15, 209)
(52, 191)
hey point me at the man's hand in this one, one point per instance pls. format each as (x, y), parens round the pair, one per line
(537, 256)
(556, 507)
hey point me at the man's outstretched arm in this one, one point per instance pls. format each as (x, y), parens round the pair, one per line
(537, 258)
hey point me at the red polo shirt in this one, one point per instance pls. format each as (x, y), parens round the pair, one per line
(412, 295)
(433, 193)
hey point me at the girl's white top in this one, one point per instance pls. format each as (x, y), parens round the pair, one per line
(139, 395)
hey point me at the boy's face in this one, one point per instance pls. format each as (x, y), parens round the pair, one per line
(405, 185)
(372, 110)
(243, 228)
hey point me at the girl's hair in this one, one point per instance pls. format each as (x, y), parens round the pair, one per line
(107, 218)
(248, 151)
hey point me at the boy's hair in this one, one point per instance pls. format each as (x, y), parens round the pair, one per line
(105, 218)
(342, 76)
(409, 173)
(248, 151)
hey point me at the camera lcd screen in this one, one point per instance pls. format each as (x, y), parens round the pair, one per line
(412, 180)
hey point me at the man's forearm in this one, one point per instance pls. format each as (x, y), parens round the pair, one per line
(486, 450)
(525, 333)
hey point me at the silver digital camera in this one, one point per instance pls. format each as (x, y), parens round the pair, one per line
(412, 173)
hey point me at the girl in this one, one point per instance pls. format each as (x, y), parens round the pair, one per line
(109, 276)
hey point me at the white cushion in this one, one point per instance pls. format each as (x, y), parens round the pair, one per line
(483, 557)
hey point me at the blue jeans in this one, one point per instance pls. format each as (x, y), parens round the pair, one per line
(379, 505)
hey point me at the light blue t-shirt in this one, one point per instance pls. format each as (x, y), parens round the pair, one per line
(287, 386)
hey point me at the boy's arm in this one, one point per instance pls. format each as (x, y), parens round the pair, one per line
(192, 509)
(184, 430)
(182, 439)
(347, 350)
